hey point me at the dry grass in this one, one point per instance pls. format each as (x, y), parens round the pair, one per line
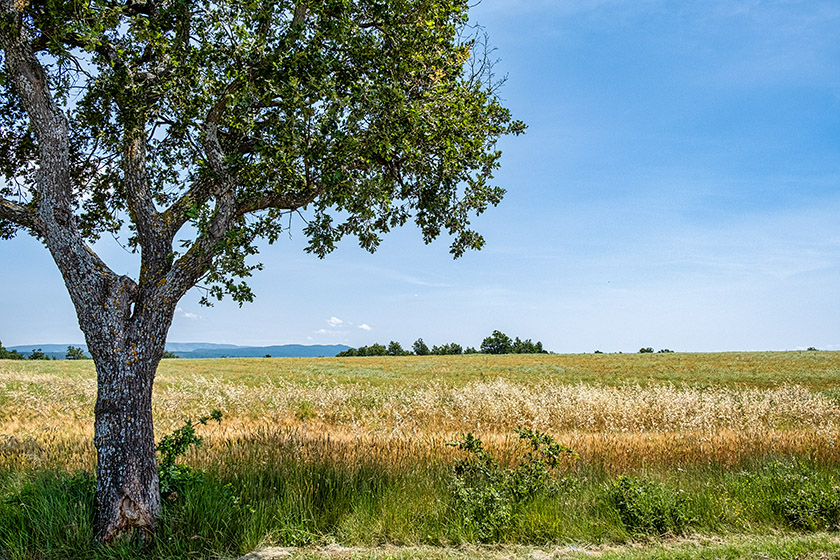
(622, 411)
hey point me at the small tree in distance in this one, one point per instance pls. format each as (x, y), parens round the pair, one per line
(75, 353)
(497, 343)
(9, 354)
(420, 348)
(451, 349)
(396, 349)
(37, 354)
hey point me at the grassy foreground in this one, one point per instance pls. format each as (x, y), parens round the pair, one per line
(734, 453)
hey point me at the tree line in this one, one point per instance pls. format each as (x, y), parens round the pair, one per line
(497, 343)
(73, 353)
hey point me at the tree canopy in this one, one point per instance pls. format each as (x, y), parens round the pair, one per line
(228, 116)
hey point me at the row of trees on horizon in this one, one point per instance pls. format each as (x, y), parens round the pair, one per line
(496, 343)
(73, 353)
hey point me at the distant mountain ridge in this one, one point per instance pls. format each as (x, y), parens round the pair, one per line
(210, 350)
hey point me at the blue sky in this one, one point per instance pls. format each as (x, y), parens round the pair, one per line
(678, 187)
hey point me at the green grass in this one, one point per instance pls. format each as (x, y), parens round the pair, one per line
(293, 502)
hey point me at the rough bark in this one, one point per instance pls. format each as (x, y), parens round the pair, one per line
(126, 339)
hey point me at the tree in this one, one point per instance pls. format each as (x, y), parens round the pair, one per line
(450, 349)
(37, 354)
(9, 354)
(527, 347)
(497, 343)
(420, 348)
(396, 349)
(192, 129)
(75, 353)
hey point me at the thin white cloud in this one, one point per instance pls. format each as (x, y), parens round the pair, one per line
(335, 322)
(187, 314)
(365, 327)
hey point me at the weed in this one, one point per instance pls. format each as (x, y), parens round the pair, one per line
(177, 478)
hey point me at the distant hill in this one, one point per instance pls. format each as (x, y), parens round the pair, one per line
(209, 350)
(284, 351)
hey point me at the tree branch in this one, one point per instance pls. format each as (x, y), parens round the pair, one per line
(278, 201)
(19, 215)
(52, 215)
(192, 266)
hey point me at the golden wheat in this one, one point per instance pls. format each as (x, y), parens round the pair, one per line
(46, 415)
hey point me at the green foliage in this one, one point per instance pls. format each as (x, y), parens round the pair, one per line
(805, 498)
(420, 348)
(496, 343)
(527, 347)
(38, 354)
(75, 353)
(9, 354)
(451, 349)
(646, 507)
(176, 478)
(368, 114)
(647, 350)
(487, 496)
(500, 343)
(361, 351)
(167, 355)
(396, 349)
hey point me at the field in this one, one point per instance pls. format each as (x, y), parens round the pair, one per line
(687, 454)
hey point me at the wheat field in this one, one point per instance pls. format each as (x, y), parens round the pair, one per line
(624, 412)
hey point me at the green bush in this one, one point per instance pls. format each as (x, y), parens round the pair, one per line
(487, 496)
(804, 498)
(646, 507)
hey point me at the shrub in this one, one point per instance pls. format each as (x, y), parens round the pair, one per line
(647, 507)
(804, 498)
(647, 350)
(487, 496)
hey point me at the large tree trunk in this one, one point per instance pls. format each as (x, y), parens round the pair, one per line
(127, 492)
(126, 340)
